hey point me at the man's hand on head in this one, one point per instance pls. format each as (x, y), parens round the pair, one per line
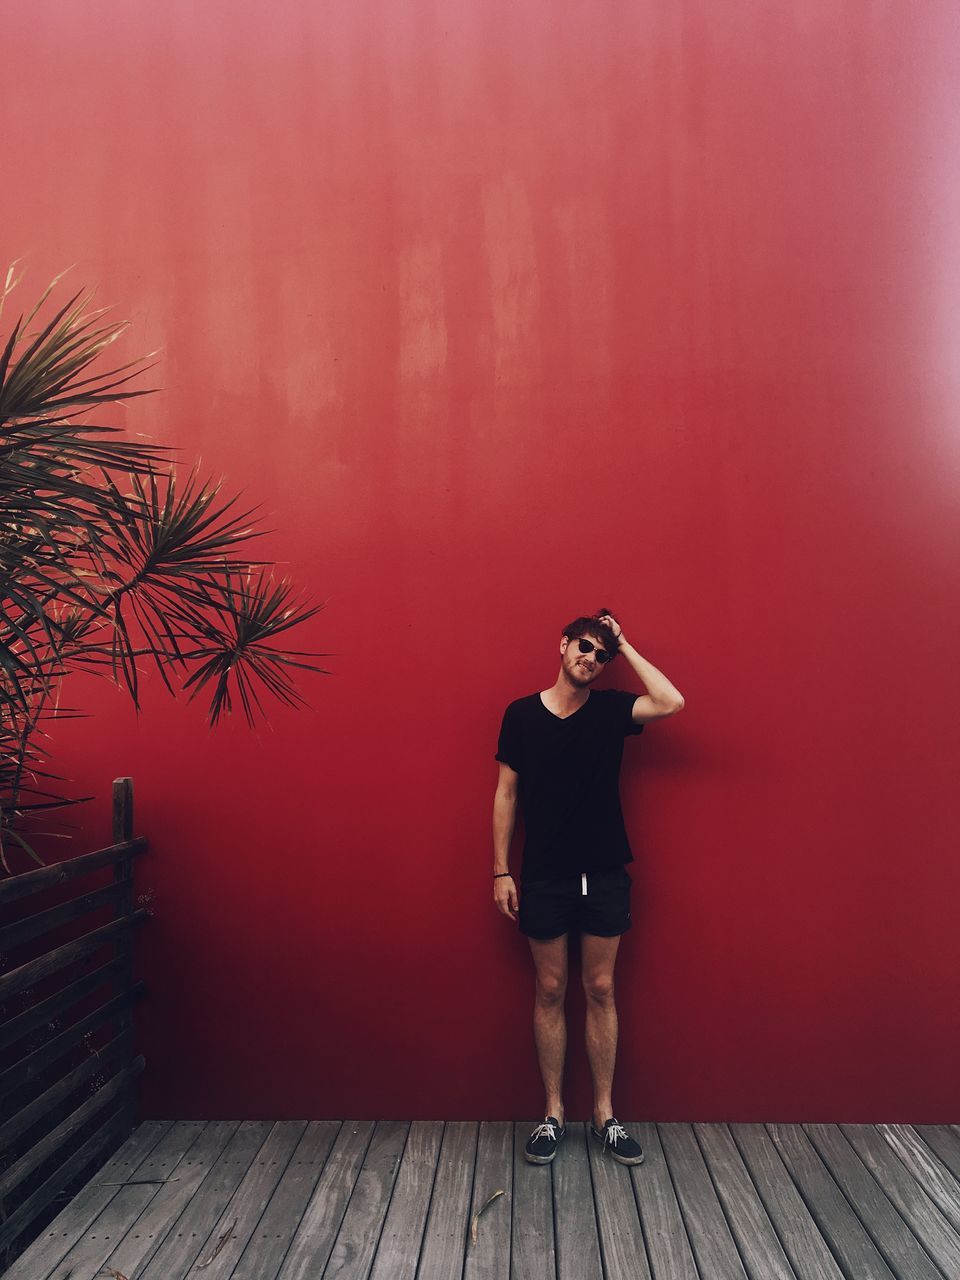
(608, 620)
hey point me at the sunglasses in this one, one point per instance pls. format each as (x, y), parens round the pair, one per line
(587, 646)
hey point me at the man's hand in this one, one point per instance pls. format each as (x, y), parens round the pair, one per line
(610, 621)
(505, 896)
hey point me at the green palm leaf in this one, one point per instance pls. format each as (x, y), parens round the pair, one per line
(108, 558)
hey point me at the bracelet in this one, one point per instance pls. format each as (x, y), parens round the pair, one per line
(498, 875)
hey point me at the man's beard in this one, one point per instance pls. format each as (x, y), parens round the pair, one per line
(580, 674)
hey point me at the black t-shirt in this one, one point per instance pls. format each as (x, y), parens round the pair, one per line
(570, 782)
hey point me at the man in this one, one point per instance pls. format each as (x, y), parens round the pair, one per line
(560, 753)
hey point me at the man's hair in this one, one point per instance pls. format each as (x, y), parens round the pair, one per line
(594, 627)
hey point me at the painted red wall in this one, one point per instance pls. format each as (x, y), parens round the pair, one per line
(505, 311)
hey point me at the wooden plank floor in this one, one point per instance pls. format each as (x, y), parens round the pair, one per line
(396, 1201)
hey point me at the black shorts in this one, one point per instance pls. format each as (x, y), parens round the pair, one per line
(550, 908)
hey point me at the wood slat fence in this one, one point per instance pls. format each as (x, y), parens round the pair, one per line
(67, 992)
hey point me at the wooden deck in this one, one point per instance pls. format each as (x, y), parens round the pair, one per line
(395, 1201)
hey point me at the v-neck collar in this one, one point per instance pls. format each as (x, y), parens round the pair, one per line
(562, 719)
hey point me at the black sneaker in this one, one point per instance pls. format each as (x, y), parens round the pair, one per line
(542, 1144)
(618, 1142)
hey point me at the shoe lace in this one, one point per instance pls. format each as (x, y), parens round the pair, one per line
(615, 1132)
(545, 1130)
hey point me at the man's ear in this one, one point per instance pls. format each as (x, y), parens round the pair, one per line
(564, 641)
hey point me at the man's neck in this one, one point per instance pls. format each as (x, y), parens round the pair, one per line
(564, 698)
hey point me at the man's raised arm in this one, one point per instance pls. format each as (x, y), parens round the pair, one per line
(662, 698)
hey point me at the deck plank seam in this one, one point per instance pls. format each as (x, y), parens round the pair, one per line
(723, 1210)
(88, 1235)
(934, 1207)
(553, 1215)
(513, 1185)
(923, 1130)
(596, 1210)
(751, 1275)
(949, 1173)
(48, 1271)
(335, 1235)
(145, 1261)
(814, 1216)
(683, 1216)
(643, 1227)
(939, 1168)
(933, 1155)
(266, 1204)
(877, 1238)
(513, 1191)
(766, 1208)
(433, 1187)
(389, 1199)
(307, 1199)
(472, 1192)
(847, 1197)
(210, 1171)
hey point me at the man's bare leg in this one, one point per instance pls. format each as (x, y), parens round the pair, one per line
(598, 957)
(549, 1020)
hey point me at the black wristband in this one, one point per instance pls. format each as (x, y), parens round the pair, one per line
(498, 875)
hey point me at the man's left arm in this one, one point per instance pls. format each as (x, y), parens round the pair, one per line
(662, 698)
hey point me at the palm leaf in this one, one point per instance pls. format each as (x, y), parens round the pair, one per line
(98, 572)
(233, 641)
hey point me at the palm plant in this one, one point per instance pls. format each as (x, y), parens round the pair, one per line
(108, 560)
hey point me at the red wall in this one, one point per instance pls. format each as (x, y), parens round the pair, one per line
(505, 311)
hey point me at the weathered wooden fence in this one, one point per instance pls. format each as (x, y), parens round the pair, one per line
(67, 991)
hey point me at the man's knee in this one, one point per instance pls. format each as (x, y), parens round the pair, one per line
(551, 988)
(598, 988)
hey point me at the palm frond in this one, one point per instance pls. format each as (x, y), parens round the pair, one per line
(233, 643)
(107, 558)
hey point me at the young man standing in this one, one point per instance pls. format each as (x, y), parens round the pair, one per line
(560, 753)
